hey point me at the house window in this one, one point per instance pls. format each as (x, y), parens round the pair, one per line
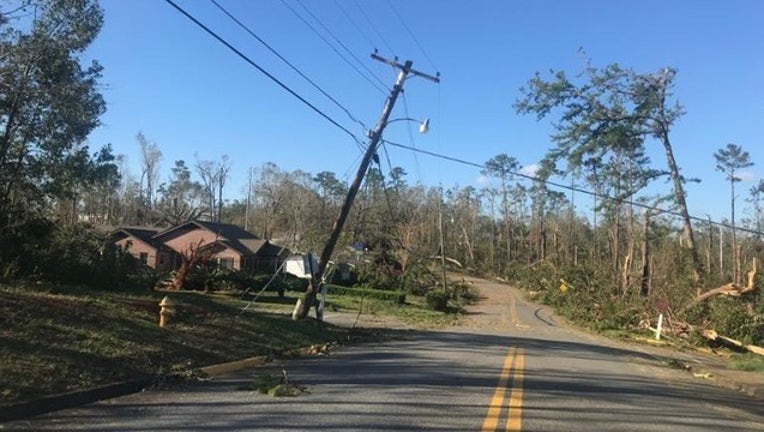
(144, 257)
(226, 263)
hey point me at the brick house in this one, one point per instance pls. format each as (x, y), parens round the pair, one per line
(228, 245)
(139, 242)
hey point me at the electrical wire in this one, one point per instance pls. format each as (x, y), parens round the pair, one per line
(372, 45)
(352, 168)
(327, 30)
(333, 48)
(263, 71)
(374, 28)
(384, 186)
(656, 209)
(288, 63)
(411, 137)
(400, 18)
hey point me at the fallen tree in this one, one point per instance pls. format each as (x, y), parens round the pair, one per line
(676, 326)
(731, 289)
(714, 336)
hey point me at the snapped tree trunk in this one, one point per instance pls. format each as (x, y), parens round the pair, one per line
(181, 274)
(644, 283)
(731, 289)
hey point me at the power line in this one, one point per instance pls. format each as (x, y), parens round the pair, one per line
(577, 189)
(263, 71)
(336, 51)
(384, 186)
(356, 26)
(326, 29)
(411, 136)
(293, 67)
(400, 18)
(374, 28)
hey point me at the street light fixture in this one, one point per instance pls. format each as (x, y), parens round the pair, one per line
(424, 125)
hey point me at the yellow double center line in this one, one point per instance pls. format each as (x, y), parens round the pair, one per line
(513, 360)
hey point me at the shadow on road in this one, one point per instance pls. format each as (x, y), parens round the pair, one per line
(411, 384)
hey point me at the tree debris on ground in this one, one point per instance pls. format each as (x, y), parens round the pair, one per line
(714, 336)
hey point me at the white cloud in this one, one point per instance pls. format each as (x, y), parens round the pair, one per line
(483, 180)
(746, 176)
(530, 170)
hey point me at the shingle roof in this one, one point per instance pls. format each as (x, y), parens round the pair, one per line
(272, 250)
(144, 234)
(226, 231)
(231, 236)
(229, 231)
(253, 245)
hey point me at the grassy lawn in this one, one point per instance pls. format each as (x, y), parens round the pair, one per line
(59, 339)
(414, 312)
(748, 362)
(55, 339)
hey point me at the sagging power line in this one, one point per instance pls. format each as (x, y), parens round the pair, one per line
(381, 89)
(292, 66)
(373, 27)
(341, 44)
(263, 71)
(358, 28)
(411, 33)
(656, 209)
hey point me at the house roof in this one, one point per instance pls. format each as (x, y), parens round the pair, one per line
(229, 235)
(253, 245)
(144, 234)
(223, 230)
(229, 231)
(273, 250)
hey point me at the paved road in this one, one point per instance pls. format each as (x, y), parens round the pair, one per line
(511, 367)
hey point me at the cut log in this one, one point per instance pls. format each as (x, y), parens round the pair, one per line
(714, 336)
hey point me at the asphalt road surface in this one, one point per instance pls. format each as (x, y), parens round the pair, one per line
(509, 367)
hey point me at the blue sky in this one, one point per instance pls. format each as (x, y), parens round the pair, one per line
(192, 96)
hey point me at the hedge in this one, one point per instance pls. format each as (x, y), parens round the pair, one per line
(393, 296)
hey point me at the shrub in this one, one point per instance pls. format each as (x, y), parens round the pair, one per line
(437, 300)
(280, 284)
(587, 297)
(416, 279)
(736, 318)
(398, 297)
(464, 292)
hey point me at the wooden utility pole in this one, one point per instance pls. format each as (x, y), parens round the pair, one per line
(303, 306)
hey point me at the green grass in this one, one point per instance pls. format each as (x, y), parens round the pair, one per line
(748, 362)
(60, 339)
(415, 312)
(55, 339)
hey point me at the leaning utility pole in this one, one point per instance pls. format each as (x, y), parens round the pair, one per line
(303, 306)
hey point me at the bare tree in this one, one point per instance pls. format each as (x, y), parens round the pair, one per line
(150, 158)
(214, 176)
